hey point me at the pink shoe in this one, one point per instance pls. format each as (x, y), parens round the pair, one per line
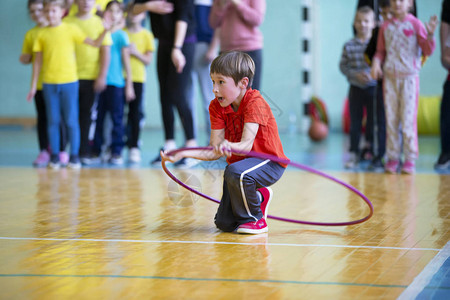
(63, 158)
(409, 167)
(391, 166)
(42, 159)
(257, 227)
(267, 195)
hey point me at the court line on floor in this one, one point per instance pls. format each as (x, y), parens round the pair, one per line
(207, 279)
(423, 279)
(217, 242)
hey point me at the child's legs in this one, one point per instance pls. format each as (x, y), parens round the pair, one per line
(356, 106)
(86, 101)
(242, 179)
(134, 116)
(70, 110)
(409, 97)
(117, 102)
(391, 106)
(369, 102)
(99, 123)
(445, 119)
(380, 122)
(41, 120)
(224, 218)
(53, 110)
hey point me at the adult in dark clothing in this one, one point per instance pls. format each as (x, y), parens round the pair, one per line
(444, 158)
(173, 24)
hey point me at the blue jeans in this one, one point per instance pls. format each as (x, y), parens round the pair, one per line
(62, 100)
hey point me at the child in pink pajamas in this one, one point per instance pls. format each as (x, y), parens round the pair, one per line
(401, 42)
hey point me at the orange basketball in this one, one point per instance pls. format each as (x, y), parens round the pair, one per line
(318, 130)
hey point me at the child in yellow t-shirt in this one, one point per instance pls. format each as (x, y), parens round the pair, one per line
(92, 66)
(54, 48)
(36, 10)
(142, 45)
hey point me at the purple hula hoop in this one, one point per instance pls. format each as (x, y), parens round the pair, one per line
(283, 161)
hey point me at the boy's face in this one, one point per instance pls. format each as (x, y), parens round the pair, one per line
(37, 12)
(364, 24)
(116, 13)
(54, 14)
(135, 19)
(85, 6)
(226, 90)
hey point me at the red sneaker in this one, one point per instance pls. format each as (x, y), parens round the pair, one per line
(257, 227)
(267, 194)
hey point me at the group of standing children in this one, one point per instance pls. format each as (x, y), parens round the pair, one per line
(401, 41)
(84, 65)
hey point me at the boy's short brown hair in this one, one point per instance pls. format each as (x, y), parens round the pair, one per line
(60, 3)
(234, 64)
(31, 2)
(366, 10)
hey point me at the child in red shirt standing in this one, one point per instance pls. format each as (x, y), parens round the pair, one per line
(241, 120)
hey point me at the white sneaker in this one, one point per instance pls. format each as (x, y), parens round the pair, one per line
(116, 159)
(352, 161)
(134, 155)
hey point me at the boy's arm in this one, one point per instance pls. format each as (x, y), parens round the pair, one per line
(344, 66)
(98, 41)
(217, 137)
(129, 90)
(145, 58)
(37, 64)
(105, 57)
(245, 145)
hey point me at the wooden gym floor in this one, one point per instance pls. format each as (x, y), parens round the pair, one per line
(130, 233)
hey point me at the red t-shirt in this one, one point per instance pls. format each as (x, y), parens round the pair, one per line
(253, 109)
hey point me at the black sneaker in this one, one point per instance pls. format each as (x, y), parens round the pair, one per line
(443, 161)
(157, 160)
